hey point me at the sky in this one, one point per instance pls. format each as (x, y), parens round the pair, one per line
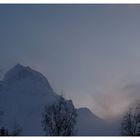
(90, 52)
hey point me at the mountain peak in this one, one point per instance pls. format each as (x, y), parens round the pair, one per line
(22, 75)
(87, 111)
(14, 72)
(18, 66)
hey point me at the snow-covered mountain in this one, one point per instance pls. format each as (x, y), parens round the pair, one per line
(23, 94)
(27, 80)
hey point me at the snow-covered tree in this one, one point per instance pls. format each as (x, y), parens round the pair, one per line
(59, 119)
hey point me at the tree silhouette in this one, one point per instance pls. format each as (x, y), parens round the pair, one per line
(59, 118)
(3, 131)
(130, 125)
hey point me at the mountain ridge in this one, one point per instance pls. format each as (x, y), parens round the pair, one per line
(23, 94)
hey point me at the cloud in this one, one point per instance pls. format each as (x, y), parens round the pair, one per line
(112, 100)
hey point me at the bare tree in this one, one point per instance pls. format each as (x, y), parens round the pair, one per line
(59, 118)
(130, 125)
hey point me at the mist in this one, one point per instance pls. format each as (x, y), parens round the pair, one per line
(90, 52)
